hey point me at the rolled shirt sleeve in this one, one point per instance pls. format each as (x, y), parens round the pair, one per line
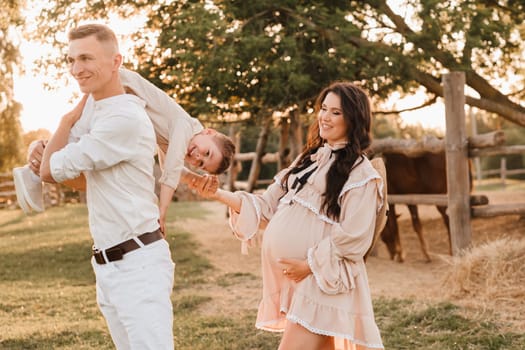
(112, 140)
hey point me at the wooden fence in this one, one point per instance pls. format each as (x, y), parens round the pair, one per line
(7, 191)
(458, 149)
(54, 194)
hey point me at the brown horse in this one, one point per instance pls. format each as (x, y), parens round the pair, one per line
(425, 174)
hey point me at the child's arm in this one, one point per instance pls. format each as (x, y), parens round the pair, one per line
(198, 182)
(166, 194)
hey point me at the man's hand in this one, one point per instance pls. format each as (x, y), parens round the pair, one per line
(34, 155)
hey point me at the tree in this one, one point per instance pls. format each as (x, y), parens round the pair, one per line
(10, 128)
(222, 57)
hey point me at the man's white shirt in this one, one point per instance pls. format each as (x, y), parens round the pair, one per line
(113, 144)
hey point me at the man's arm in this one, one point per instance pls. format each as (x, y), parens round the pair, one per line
(78, 184)
(60, 139)
(36, 152)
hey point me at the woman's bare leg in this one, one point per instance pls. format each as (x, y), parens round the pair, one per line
(296, 337)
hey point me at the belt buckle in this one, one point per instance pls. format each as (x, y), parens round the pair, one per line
(114, 254)
(99, 258)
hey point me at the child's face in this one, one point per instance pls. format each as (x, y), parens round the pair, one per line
(203, 153)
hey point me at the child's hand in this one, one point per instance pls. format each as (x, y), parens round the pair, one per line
(74, 115)
(205, 185)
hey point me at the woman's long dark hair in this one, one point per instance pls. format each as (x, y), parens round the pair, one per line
(357, 115)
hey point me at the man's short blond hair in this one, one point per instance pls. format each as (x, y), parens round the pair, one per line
(100, 31)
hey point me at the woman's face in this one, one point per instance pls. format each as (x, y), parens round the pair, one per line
(332, 126)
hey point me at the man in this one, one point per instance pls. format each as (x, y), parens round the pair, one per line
(179, 136)
(131, 261)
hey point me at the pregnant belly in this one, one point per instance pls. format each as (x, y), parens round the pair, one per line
(291, 232)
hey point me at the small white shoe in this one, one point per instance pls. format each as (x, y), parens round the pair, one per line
(28, 188)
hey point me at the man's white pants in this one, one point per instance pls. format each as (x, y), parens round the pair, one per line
(134, 297)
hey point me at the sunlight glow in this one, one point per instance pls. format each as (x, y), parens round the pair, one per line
(43, 108)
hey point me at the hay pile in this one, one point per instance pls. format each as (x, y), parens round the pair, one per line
(491, 276)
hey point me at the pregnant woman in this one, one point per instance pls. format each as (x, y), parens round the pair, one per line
(320, 215)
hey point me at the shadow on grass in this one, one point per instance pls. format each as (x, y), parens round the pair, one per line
(87, 339)
(70, 261)
(52, 221)
(190, 267)
(232, 332)
(16, 220)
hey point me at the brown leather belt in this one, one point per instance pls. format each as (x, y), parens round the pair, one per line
(117, 251)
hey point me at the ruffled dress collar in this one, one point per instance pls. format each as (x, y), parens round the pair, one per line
(324, 153)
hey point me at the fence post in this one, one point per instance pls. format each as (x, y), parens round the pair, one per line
(474, 130)
(503, 170)
(458, 184)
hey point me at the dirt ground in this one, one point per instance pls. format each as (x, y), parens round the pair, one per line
(414, 279)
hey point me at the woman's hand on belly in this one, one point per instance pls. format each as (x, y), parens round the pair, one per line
(295, 269)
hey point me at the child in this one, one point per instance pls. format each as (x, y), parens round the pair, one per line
(179, 137)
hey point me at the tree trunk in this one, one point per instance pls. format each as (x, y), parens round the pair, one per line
(259, 152)
(284, 149)
(236, 166)
(296, 135)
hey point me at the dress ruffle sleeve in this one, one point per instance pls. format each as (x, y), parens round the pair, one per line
(337, 259)
(256, 211)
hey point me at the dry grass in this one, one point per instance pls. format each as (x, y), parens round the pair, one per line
(491, 277)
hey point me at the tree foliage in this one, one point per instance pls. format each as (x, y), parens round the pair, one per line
(10, 129)
(231, 56)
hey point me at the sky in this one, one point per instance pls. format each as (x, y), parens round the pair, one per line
(43, 108)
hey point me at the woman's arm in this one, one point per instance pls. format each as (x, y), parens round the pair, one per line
(228, 198)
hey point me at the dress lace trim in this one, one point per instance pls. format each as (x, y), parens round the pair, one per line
(353, 185)
(263, 326)
(313, 209)
(295, 319)
(364, 182)
(310, 262)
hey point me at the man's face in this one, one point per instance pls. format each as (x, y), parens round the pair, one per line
(203, 153)
(92, 64)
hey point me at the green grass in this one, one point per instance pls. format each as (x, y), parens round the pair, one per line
(47, 296)
(405, 325)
